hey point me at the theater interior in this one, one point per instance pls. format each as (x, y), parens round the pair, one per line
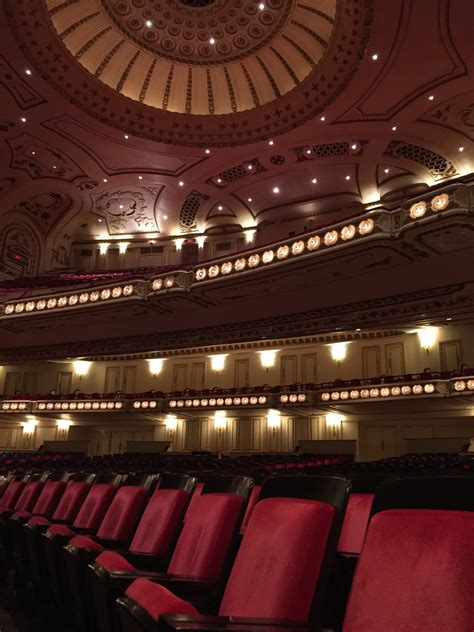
(236, 316)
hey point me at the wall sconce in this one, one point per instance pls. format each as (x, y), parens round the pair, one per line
(338, 351)
(200, 239)
(29, 426)
(250, 235)
(218, 361)
(178, 242)
(123, 245)
(427, 337)
(171, 423)
(334, 424)
(220, 421)
(267, 358)
(103, 247)
(273, 420)
(155, 365)
(81, 367)
(64, 423)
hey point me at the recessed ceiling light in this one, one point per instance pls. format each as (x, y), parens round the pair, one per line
(33, 153)
(323, 118)
(212, 41)
(386, 170)
(461, 148)
(314, 181)
(126, 136)
(121, 206)
(219, 180)
(394, 128)
(375, 56)
(181, 183)
(140, 177)
(354, 146)
(431, 97)
(99, 220)
(261, 6)
(208, 151)
(449, 318)
(358, 329)
(54, 167)
(249, 199)
(348, 177)
(249, 167)
(23, 119)
(28, 71)
(308, 151)
(270, 142)
(165, 216)
(105, 179)
(149, 23)
(220, 208)
(276, 190)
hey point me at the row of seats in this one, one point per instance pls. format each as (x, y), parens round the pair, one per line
(147, 551)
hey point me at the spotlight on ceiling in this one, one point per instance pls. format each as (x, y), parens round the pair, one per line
(394, 128)
(314, 181)
(261, 6)
(181, 183)
(375, 56)
(212, 41)
(276, 190)
(28, 71)
(461, 149)
(149, 23)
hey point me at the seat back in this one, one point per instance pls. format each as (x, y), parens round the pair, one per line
(71, 501)
(125, 509)
(282, 565)
(95, 506)
(12, 493)
(161, 519)
(49, 498)
(415, 572)
(207, 535)
(29, 495)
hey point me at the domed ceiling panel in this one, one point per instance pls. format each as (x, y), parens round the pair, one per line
(197, 56)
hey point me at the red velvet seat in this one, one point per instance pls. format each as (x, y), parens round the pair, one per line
(200, 553)
(280, 570)
(415, 573)
(355, 523)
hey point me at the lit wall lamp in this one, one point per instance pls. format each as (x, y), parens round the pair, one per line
(81, 367)
(250, 235)
(218, 361)
(334, 424)
(338, 351)
(123, 245)
(427, 337)
(178, 242)
(171, 423)
(267, 358)
(29, 426)
(273, 420)
(63, 425)
(200, 239)
(155, 365)
(103, 247)
(220, 421)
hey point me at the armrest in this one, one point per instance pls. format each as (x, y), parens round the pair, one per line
(183, 623)
(146, 562)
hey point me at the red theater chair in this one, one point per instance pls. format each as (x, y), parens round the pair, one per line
(199, 559)
(279, 574)
(416, 569)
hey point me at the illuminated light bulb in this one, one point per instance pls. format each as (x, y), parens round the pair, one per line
(375, 56)
(220, 208)
(122, 247)
(250, 234)
(431, 97)
(261, 6)
(149, 23)
(338, 351)
(81, 367)
(103, 248)
(181, 183)
(140, 177)
(354, 146)
(276, 190)
(273, 419)
(126, 136)
(207, 151)
(249, 199)
(178, 242)
(394, 128)
(268, 357)
(270, 142)
(155, 365)
(314, 181)
(386, 170)
(28, 71)
(171, 423)
(200, 239)
(212, 41)
(105, 179)
(165, 216)
(348, 177)
(23, 119)
(220, 420)
(460, 148)
(427, 337)
(218, 361)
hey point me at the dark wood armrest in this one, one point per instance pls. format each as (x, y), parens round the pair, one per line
(202, 623)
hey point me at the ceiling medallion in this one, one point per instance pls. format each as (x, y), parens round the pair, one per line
(155, 62)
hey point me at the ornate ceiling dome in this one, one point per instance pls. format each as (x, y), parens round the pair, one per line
(197, 56)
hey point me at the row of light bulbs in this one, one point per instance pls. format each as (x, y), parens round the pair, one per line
(264, 257)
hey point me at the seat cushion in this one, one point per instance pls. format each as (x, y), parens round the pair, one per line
(112, 561)
(157, 600)
(61, 529)
(39, 520)
(84, 542)
(415, 572)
